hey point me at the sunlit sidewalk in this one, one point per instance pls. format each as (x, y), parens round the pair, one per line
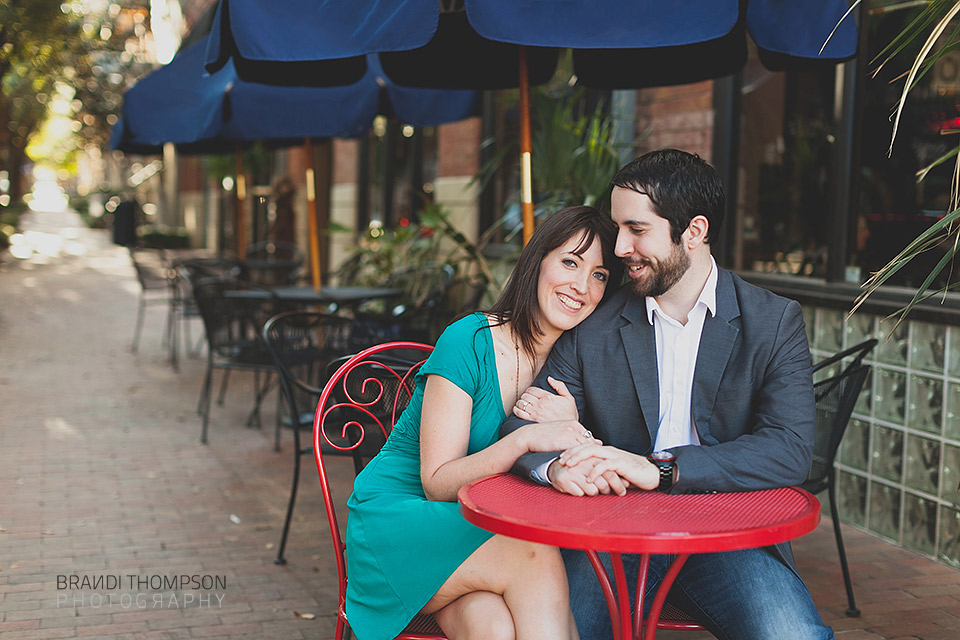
(116, 523)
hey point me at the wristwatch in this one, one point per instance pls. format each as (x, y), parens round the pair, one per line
(666, 463)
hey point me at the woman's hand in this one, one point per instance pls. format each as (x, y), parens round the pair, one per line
(636, 470)
(542, 406)
(556, 436)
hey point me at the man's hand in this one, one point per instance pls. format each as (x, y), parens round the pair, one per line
(634, 469)
(576, 479)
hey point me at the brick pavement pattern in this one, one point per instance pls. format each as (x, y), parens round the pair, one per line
(102, 474)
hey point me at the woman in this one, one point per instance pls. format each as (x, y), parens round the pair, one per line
(408, 548)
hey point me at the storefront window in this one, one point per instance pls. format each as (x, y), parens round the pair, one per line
(787, 130)
(894, 207)
(401, 170)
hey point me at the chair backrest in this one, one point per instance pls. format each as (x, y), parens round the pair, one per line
(367, 393)
(848, 358)
(272, 264)
(425, 288)
(234, 314)
(152, 267)
(303, 344)
(420, 314)
(835, 398)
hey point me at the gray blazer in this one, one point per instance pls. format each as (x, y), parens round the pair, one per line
(752, 400)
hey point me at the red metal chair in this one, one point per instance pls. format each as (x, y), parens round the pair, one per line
(368, 392)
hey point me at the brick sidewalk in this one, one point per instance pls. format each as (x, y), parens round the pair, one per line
(102, 474)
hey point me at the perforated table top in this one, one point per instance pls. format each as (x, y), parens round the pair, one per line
(641, 521)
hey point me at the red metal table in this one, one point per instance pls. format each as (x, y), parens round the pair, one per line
(642, 522)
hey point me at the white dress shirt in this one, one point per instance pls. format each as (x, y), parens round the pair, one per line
(677, 348)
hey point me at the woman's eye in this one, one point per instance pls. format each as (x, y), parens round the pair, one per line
(569, 262)
(602, 277)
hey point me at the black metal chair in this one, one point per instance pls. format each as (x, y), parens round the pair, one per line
(153, 275)
(233, 318)
(307, 346)
(422, 313)
(183, 303)
(836, 396)
(273, 264)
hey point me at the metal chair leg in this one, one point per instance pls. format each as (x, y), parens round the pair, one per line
(279, 422)
(253, 420)
(205, 402)
(223, 387)
(174, 337)
(139, 325)
(852, 610)
(293, 498)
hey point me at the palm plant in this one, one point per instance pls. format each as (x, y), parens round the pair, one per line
(933, 29)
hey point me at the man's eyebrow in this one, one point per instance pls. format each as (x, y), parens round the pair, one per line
(635, 223)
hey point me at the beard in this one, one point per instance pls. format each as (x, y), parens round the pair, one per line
(662, 274)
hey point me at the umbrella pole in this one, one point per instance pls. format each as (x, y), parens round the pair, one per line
(239, 231)
(312, 216)
(526, 147)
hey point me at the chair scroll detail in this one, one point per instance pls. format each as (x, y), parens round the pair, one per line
(363, 399)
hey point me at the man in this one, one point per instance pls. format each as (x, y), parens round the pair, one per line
(690, 360)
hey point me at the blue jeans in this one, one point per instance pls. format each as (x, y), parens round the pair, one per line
(736, 595)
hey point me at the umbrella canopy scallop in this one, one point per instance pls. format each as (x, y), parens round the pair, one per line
(472, 43)
(210, 113)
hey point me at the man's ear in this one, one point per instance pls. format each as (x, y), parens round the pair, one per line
(697, 232)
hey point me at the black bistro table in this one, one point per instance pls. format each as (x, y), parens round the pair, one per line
(325, 295)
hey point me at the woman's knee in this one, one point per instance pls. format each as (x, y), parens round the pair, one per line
(479, 615)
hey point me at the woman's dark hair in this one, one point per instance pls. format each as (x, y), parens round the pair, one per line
(518, 303)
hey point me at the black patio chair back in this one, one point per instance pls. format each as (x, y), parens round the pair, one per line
(836, 395)
(183, 302)
(307, 346)
(273, 264)
(153, 276)
(420, 314)
(233, 318)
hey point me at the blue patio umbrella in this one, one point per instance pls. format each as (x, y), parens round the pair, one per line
(208, 113)
(488, 44)
(214, 112)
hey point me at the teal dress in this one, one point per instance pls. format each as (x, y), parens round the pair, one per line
(402, 547)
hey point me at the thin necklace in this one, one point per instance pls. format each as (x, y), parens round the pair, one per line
(516, 345)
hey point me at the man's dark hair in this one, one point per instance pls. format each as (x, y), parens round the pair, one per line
(680, 185)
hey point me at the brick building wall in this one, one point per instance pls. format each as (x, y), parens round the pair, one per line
(345, 161)
(680, 117)
(458, 148)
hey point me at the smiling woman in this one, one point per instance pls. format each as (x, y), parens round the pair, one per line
(403, 511)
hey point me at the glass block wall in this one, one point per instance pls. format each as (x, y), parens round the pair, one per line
(899, 462)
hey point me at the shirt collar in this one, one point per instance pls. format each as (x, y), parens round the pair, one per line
(708, 295)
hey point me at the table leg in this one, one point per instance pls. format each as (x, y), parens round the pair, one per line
(623, 596)
(642, 572)
(607, 589)
(661, 597)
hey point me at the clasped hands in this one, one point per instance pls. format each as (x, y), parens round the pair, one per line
(586, 466)
(592, 468)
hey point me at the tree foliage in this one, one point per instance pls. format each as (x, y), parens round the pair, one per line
(69, 58)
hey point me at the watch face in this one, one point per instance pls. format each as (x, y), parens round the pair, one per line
(662, 456)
